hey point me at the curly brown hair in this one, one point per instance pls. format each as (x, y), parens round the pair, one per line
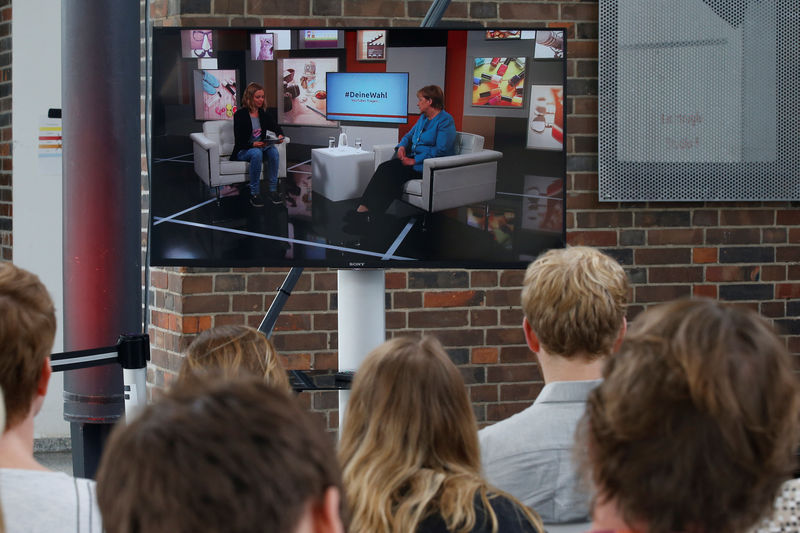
(695, 425)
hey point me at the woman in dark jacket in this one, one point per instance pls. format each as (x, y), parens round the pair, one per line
(254, 132)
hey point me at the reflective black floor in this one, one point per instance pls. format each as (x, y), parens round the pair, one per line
(191, 226)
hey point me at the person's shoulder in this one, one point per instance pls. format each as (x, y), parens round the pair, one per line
(446, 118)
(510, 515)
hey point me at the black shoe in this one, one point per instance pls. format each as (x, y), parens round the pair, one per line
(358, 217)
(275, 197)
(256, 201)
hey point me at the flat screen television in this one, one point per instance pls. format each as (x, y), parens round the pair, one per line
(368, 96)
(497, 202)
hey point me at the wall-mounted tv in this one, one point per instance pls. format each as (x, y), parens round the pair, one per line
(368, 96)
(494, 198)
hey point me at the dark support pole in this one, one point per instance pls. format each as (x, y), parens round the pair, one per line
(102, 208)
(435, 13)
(274, 311)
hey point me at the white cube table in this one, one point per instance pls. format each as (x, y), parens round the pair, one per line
(341, 173)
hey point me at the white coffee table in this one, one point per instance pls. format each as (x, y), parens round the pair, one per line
(341, 173)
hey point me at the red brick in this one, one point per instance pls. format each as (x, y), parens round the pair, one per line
(292, 322)
(212, 303)
(512, 278)
(582, 49)
(785, 254)
(326, 361)
(581, 125)
(704, 255)
(705, 291)
(483, 278)
(681, 274)
(580, 12)
(307, 302)
(512, 373)
(776, 235)
(773, 273)
(396, 320)
(787, 291)
(789, 218)
(732, 273)
(733, 236)
(773, 309)
(592, 238)
(437, 319)
(484, 355)
(396, 280)
(501, 298)
(325, 281)
(501, 411)
(504, 336)
(527, 11)
(325, 321)
(482, 317)
(196, 284)
(604, 219)
(703, 217)
(453, 298)
(483, 393)
(511, 317)
(747, 217)
(794, 272)
(515, 392)
(517, 354)
(794, 235)
(660, 293)
(661, 256)
(459, 337)
(237, 319)
(406, 300)
(265, 282)
(158, 279)
(300, 341)
(247, 302)
(585, 182)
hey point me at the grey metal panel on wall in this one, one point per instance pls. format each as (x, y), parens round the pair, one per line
(699, 100)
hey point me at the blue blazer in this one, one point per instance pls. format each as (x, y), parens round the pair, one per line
(430, 138)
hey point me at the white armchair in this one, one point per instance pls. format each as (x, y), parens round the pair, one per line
(212, 153)
(468, 177)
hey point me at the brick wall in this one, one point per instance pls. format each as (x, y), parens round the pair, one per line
(5, 130)
(747, 252)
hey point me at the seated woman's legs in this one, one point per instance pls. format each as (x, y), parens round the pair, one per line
(254, 156)
(273, 160)
(385, 186)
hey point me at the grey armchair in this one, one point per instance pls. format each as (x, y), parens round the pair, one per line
(468, 177)
(212, 152)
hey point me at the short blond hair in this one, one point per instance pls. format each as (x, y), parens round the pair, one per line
(27, 331)
(234, 351)
(574, 299)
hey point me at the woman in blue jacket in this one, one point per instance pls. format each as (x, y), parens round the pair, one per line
(433, 135)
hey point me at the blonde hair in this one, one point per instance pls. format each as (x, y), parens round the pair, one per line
(574, 300)
(27, 330)
(232, 351)
(247, 96)
(409, 445)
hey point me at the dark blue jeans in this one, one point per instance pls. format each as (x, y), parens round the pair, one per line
(256, 157)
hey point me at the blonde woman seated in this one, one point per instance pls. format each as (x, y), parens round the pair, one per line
(410, 453)
(234, 351)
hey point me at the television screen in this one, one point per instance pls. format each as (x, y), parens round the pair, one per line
(368, 96)
(262, 46)
(487, 192)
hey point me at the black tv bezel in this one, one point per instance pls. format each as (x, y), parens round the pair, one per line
(367, 263)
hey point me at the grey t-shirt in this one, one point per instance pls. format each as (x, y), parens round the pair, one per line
(530, 455)
(48, 502)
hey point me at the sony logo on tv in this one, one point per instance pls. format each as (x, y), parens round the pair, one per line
(370, 94)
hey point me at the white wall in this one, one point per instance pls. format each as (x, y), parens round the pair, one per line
(37, 207)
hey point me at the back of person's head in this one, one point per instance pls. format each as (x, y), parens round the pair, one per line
(409, 441)
(574, 300)
(696, 422)
(224, 455)
(27, 330)
(234, 351)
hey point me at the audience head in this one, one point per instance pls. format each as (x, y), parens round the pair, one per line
(234, 351)
(27, 330)
(696, 422)
(433, 93)
(409, 441)
(249, 92)
(221, 455)
(574, 302)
